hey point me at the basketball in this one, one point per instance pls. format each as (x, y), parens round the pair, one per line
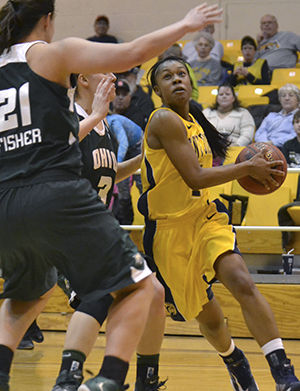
(271, 153)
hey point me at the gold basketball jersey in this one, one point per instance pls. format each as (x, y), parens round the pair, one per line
(168, 196)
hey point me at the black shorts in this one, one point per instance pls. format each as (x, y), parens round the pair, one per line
(63, 225)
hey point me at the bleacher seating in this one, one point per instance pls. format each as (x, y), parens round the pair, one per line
(282, 76)
(250, 95)
(294, 212)
(232, 50)
(144, 82)
(262, 210)
(207, 95)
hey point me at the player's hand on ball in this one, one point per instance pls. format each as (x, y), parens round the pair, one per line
(265, 171)
(267, 167)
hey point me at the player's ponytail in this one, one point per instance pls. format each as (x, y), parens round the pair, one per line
(217, 142)
(18, 18)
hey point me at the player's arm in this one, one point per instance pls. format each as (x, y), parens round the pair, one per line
(128, 167)
(167, 131)
(100, 108)
(74, 55)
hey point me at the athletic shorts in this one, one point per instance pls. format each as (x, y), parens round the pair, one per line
(63, 225)
(184, 251)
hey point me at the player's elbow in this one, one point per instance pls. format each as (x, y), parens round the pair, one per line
(193, 183)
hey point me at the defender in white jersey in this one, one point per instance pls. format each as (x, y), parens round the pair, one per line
(189, 237)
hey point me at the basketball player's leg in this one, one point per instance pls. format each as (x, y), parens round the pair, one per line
(83, 330)
(81, 335)
(78, 338)
(233, 273)
(15, 318)
(148, 349)
(126, 322)
(214, 329)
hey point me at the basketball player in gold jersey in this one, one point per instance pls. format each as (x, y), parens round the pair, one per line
(189, 237)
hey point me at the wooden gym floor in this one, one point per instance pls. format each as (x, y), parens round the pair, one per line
(189, 362)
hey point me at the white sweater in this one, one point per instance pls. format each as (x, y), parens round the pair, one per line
(238, 125)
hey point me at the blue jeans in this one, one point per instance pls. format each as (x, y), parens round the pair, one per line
(124, 212)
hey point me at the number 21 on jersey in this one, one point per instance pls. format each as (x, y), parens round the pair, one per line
(8, 103)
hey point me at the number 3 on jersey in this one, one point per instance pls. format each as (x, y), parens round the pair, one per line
(104, 185)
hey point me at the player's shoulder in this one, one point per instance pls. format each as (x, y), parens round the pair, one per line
(163, 113)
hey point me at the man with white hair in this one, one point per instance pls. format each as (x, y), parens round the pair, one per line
(279, 48)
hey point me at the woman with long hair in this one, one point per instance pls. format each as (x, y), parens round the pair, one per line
(190, 238)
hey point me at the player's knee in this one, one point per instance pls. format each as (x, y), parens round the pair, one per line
(158, 302)
(146, 287)
(149, 285)
(244, 286)
(143, 291)
(212, 326)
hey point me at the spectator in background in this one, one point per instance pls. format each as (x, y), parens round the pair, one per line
(130, 137)
(127, 123)
(123, 105)
(190, 53)
(138, 96)
(291, 151)
(278, 48)
(208, 71)
(277, 128)
(291, 148)
(250, 71)
(101, 26)
(229, 118)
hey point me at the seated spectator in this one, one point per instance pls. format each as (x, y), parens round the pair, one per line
(122, 104)
(190, 53)
(229, 118)
(208, 71)
(291, 148)
(249, 71)
(279, 48)
(291, 151)
(277, 128)
(101, 26)
(175, 50)
(128, 134)
(138, 96)
(130, 137)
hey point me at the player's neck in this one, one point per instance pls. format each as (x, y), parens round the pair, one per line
(84, 103)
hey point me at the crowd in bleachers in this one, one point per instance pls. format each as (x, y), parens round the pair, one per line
(257, 68)
(248, 88)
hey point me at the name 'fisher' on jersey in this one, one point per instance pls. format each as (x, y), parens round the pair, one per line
(19, 140)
